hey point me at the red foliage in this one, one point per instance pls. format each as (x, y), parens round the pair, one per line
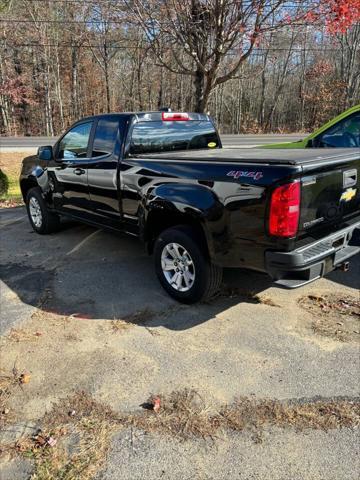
(321, 68)
(17, 91)
(340, 14)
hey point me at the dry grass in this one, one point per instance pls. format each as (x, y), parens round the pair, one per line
(10, 164)
(140, 317)
(182, 414)
(9, 381)
(249, 413)
(266, 300)
(119, 326)
(6, 385)
(84, 406)
(80, 416)
(20, 335)
(335, 316)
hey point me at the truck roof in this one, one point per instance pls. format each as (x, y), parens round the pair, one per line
(263, 156)
(151, 116)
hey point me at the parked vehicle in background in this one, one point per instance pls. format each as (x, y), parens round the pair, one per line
(342, 131)
(163, 177)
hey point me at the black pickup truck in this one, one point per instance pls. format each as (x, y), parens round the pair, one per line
(165, 178)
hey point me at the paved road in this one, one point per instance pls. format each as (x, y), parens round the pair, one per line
(228, 140)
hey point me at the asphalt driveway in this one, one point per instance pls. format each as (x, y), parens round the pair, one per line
(103, 325)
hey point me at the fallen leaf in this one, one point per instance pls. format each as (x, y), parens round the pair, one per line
(157, 404)
(40, 440)
(51, 441)
(25, 378)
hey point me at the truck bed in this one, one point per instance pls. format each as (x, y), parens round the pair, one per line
(262, 156)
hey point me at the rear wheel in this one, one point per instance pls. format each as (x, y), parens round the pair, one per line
(42, 220)
(183, 269)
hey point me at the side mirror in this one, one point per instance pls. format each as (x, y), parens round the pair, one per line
(310, 143)
(45, 153)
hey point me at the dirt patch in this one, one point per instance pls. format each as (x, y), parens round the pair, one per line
(335, 316)
(8, 383)
(245, 296)
(21, 335)
(140, 317)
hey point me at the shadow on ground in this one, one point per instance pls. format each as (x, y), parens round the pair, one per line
(99, 275)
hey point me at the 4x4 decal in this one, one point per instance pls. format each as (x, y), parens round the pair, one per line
(245, 173)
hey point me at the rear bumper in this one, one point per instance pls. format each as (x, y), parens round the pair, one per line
(306, 264)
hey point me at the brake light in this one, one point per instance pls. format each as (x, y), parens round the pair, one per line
(174, 116)
(285, 210)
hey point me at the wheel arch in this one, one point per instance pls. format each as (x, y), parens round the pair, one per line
(26, 184)
(160, 219)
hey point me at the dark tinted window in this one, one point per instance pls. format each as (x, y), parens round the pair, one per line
(345, 134)
(150, 137)
(74, 144)
(105, 136)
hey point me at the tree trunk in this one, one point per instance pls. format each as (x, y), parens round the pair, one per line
(262, 94)
(160, 92)
(59, 91)
(199, 84)
(48, 105)
(106, 73)
(74, 85)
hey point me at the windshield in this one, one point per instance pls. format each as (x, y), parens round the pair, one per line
(149, 137)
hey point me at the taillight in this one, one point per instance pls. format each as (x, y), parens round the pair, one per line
(285, 210)
(174, 116)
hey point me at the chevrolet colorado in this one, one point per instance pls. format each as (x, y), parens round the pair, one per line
(164, 177)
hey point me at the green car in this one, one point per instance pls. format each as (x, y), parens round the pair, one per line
(342, 131)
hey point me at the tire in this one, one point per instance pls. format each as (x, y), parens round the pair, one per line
(42, 220)
(197, 278)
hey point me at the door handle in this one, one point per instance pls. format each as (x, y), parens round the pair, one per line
(79, 171)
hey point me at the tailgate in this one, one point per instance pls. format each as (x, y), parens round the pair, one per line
(330, 194)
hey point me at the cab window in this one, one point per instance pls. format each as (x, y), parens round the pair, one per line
(149, 137)
(345, 134)
(105, 136)
(75, 143)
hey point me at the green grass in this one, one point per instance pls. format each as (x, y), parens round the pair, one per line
(10, 164)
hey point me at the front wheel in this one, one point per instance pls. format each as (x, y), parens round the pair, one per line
(182, 268)
(41, 218)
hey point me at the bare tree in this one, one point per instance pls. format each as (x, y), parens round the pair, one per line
(209, 33)
(64, 60)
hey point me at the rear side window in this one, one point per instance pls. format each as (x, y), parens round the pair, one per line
(105, 136)
(344, 134)
(148, 137)
(75, 143)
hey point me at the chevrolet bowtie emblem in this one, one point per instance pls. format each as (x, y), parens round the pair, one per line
(348, 194)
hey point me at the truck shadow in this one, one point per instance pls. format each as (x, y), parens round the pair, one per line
(109, 277)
